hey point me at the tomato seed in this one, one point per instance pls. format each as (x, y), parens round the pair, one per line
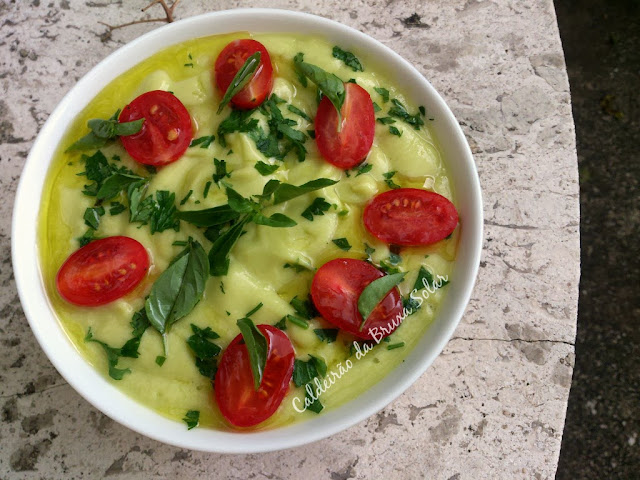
(172, 134)
(153, 109)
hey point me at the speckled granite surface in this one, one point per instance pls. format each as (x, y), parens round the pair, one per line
(493, 404)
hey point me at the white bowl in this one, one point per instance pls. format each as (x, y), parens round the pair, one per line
(110, 400)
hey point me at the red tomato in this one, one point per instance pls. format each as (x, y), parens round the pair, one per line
(335, 290)
(348, 147)
(231, 59)
(102, 271)
(166, 132)
(409, 216)
(240, 403)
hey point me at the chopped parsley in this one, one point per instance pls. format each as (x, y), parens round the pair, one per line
(366, 168)
(192, 419)
(394, 131)
(400, 111)
(342, 244)
(326, 334)
(388, 180)
(348, 58)
(317, 207)
(204, 142)
(383, 92)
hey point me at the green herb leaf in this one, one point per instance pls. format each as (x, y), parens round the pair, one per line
(393, 346)
(330, 85)
(305, 372)
(265, 169)
(200, 345)
(113, 354)
(116, 208)
(349, 59)
(375, 292)
(237, 121)
(221, 170)
(89, 142)
(368, 250)
(192, 419)
(256, 347)
(317, 207)
(297, 111)
(385, 120)
(87, 237)
(209, 216)
(400, 111)
(383, 92)
(160, 359)
(186, 198)
(282, 324)
(125, 129)
(342, 244)
(219, 253)
(366, 168)
(298, 321)
(254, 310)
(376, 107)
(238, 203)
(328, 334)
(104, 130)
(394, 131)
(178, 289)
(388, 180)
(92, 217)
(285, 191)
(304, 308)
(278, 220)
(241, 78)
(425, 279)
(296, 266)
(204, 142)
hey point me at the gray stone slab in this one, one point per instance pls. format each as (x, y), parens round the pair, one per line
(493, 404)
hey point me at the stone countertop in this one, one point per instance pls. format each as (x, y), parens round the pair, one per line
(493, 404)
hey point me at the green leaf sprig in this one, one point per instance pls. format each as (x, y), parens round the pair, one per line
(178, 289)
(348, 58)
(256, 347)
(241, 78)
(375, 292)
(102, 131)
(330, 85)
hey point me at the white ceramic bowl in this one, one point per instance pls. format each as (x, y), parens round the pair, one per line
(109, 399)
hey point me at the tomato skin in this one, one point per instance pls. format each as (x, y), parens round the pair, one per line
(410, 217)
(350, 146)
(335, 290)
(237, 399)
(166, 132)
(102, 271)
(231, 59)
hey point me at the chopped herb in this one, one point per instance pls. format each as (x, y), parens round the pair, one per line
(92, 216)
(425, 279)
(116, 183)
(221, 170)
(317, 207)
(301, 77)
(87, 237)
(388, 180)
(376, 107)
(304, 308)
(349, 59)
(342, 244)
(222, 287)
(254, 310)
(400, 111)
(305, 372)
(116, 208)
(394, 131)
(204, 142)
(209, 217)
(366, 168)
(192, 419)
(394, 258)
(410, 304)
(285, 191)
(102, 131)
(297, 111)
(186, 198)
(113, 355)
(188, 65)
(422, 110)
(342, 213)
(257, 348)
(265, 169)
(207, 186)
(282, 324)
(237, 121)
(241, 78)
(388, 268)
(296, 266)
(179, 243)
(298, 321)
(385, 120)
(383, 92)
(368, 250)
(375, 292)
(328, 334)
(160, 360)
(393, 346)
(311, 133)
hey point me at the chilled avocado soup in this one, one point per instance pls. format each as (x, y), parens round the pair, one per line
(268, 266)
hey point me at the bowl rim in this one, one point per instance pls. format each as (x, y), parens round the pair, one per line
(108, 398)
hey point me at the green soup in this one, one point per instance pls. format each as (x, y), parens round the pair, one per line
(268, 265)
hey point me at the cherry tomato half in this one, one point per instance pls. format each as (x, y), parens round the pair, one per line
(239, 402)
(335, 290)
(102, 271)
(231, 59)
(348, 147)
(166, 132)
(410, 216)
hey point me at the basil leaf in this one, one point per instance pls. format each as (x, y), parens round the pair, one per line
(383, 92)
(178, 289)
(375, 292)
(238, 203)
(104, 130)
(342, 244)
(285, 191)
(128, 128)
(89, 142)
(192, 419)
(317, 207)
(265, 169)
(349, 59)
(114, 184)
(241, 78)
(209, 216)
(256, 347)
(328, 334)
(276, 220)
(330, 85)
(219, 253)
